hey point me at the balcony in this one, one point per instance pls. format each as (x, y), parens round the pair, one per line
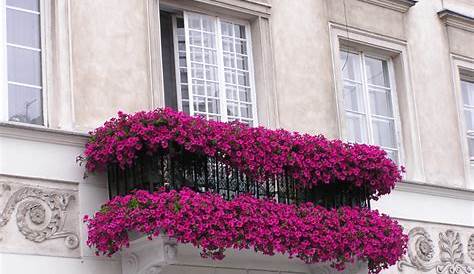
(216, 187)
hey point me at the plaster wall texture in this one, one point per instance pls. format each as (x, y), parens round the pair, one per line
(110, 71)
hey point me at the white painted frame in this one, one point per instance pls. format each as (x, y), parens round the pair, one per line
(461, 65)
(43, 14)
(388, 47)
(222, 93)
(366, 100)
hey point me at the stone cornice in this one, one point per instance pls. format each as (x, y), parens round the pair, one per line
(457, 20)
(397, 5)
(436, 190)
(42, 134)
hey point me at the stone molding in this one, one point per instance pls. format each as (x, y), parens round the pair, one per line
(450, 259)
(396, 5)
(153, 256)
(36, 217)
(457, 20)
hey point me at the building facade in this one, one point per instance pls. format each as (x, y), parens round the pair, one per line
(394, 73)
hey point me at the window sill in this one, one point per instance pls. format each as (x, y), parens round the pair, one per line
(39, 133)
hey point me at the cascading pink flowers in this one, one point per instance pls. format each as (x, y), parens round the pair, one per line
(207, 221)
(259, 152)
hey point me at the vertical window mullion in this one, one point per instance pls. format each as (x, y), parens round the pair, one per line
(188, 63)
(365, 96)
(220, 68)
(176, 64)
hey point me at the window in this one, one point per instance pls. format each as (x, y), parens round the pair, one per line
(368, 101)
(24, 62)
(467, 90)
(213, 74)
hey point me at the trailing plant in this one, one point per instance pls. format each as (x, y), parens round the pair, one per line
(259, 152)
(207, 221)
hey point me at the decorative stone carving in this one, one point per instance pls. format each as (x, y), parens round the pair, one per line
(470, 247)
(421, 252)
(40, 215)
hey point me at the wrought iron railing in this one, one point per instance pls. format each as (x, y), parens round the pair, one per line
(176, 168)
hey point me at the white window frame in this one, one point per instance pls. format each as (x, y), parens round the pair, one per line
(462, 65)
(4, 115)
(220, 66)
(366, 100)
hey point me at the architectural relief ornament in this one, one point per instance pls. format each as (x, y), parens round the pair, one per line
(470, 247)
(451, 254)
(40, 215)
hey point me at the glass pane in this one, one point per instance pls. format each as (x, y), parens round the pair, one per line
(384, 133)
(182, 59)
(227, 29)
(469, 118)
(212, 89)
(183, 75)
(24, 66)
(24, 4)
(194, 21)
(244, 94)
(350, 66)
(377, 72)
(227, 44)
(243, 78)
(353, 97)
(25, 104)
(240, 46)
(184, 92)
(239, 31)
(211, 73)
(210, 57)
(230, 76)
(23, 28)
(467, 89)
(392, 154)
(381, 102)
(233, 109)
(195, 38)
(197, 71)
(199, 104)
(213, 106)
(246, 110)
(242, 62)
(196, 54)
(185, 105)
(229, 60)
(209, 40)
(198, 87)
(231, 92)
(208, 24)
(470, 143)
(356, 128)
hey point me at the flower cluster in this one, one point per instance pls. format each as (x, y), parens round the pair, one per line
(207, 221)
(257, 151)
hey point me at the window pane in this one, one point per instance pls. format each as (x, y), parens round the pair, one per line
(198, 87)
(242, 62)
(470, 143)
(246, 110)
(210, 56)
(233, 109)
(356, 128)
(23, 28)
(381, 102)
(377, 72)
(353, 98)
(25, 104)
(384, 132)
(199, 104)
(212, 89)
(239, 31)
(24, 66)
(350, 66)
(24, 4)
(469, 118)
(227, 29)
(229, 60)
(467, 89)
(231, 92)
(392, 154)
(213, 106)
(244, 94)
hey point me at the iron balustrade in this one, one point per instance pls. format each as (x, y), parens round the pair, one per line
(176, 168)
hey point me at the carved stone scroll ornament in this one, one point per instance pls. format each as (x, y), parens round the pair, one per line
(470, 247)
(40, 215)
(421, 252)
